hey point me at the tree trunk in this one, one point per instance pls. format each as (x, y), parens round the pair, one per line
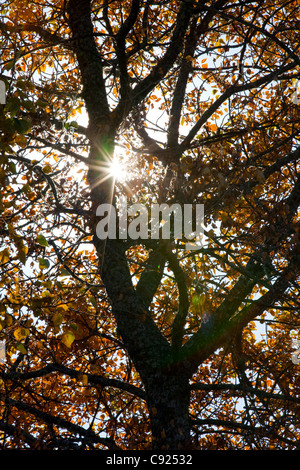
(166, 382)
(168, 399)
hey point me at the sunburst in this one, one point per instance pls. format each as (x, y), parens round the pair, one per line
(110, 168)
(117, 169)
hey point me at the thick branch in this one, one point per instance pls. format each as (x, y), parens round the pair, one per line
(171, 55)
(93, 379)
(89, 60)
(225, 322)
(87, 434)
(263, 431)
(244, 389)
(16, 431)
(180, 89)
(186, 68)
(180, 318)
(120, 37)
(150, 278)
(147, 347)
(50, 38)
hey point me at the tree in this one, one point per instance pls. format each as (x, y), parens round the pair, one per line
(138, 344)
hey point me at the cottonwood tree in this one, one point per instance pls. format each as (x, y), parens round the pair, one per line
(143, 343)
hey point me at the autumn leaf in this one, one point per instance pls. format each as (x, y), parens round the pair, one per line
(44, 263)
(47, 169)
(21, 333)
(57, 319)
(67, 338)
(4, 256)
(9, 319)
(213, 127)
(22, 253)
(20, 347)
(83, 378)
(42, 240)
(144, 343)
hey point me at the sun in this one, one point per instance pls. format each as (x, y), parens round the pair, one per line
(117, 169)
(113, 168)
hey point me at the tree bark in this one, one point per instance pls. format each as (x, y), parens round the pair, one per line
(166, 382)
(168, 399)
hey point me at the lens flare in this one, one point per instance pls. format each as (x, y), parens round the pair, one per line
(117, 170)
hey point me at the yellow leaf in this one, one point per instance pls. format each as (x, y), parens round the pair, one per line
(8, 320)
(47, 169)
(21, 140)
(64, 307)
(4, 256)
(57, 319)
(21, 348)
(68, 338)
(83, 378)
(21, 333)
(22, 254)
(42, 240)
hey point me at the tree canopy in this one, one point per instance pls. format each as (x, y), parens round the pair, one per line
(140, 343)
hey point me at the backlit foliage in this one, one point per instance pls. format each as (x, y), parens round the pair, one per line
(200, 100)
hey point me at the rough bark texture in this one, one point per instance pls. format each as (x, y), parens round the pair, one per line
(168, 402)
(167, 388)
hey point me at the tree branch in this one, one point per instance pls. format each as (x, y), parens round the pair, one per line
(89, 59)
(223, 324)
(180, 318)
(150, 278)
(231, 90)
(244, 389)
(166, 62)
(87, 434)
(93, 379)
(186, 68)
(125, 90)
(13, 431)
